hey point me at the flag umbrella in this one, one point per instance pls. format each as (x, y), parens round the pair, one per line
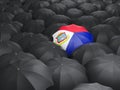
(70, 37)
(115, 43)
(105, 70)
(83, 54)
(67, 73)
(87, 8)
(92, 86)
(101, 34)
(22, 71)
(113, 9)
(47, 50)
(9, 47)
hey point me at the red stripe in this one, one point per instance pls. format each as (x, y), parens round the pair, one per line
(73, 28)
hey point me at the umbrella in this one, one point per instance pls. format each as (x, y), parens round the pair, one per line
(52, 29)
(109, 1)
(101, 15)
(103, 33)
(43, 13)
(22, 17)
(99, 4)
(92, 86)
(9, 47)
(34, 26)
(39, 4)
(114, 21)
(58, 19)
(67, 73)
(83, 54)
(72, 36)
(87, 8)
(6, 31)
(115, 43)
(118, 51)
(87, 21)
(58, 8)
(105, 70)
(69, 3)
(74, 13)
(46, 50)
(22, 71)
(113, 9)
(81, 1)
(6, 17)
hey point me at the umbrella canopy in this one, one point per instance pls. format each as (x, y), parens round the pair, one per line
(103, 33)
(9, 47)
(70, 37)
(46, 50)
(34, 26)
(87, 8)
(113, 9)
(58, 19)
(69, 3)
(74, 13)
(105, 70)
(114, 21)
(101, 15)
(22, 71)
(87, 20)
(6, 31)
(92, 86)
(99, 4)
(67, 73)
(43, 13)
(83, 54)
(115, 43)
(58, 8)
(52, 29)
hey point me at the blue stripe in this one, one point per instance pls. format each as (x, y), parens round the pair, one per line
(77, 40)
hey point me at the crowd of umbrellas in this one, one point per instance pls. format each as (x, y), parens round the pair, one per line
(29, 60)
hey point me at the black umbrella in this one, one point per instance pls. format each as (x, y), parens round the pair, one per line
(101, 15)
(113, 9)
(69, 3)
(81, 1)
(109, 1)
(58, 8)
(58, 19)
(43, 13)
(115, 43)
(92, 86)
(105, 70)
(74, 13)
(118, 51)
(6, 31)
(87, 8)
(34, 26)
(22, 71)
(49, 31)
(9, 47)
(87, 20)
(48, 49)
(83, 54)
(103, 32)
(99, 4)
(67, 73)
(23, 17)
(114, 21)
